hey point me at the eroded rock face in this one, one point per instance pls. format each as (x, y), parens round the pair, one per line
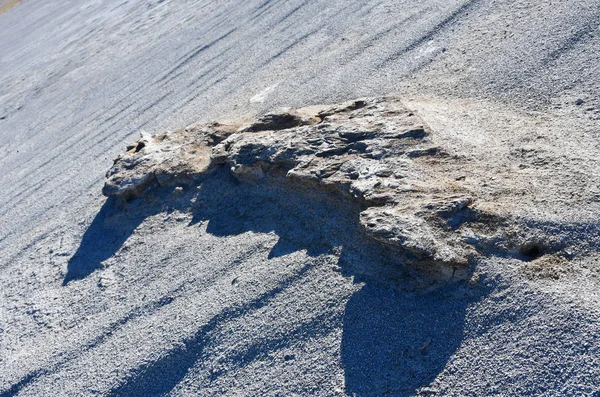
(372, 151)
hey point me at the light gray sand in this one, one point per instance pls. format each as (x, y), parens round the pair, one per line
(237, 303)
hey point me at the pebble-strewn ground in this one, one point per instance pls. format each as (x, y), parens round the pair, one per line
(248, 294)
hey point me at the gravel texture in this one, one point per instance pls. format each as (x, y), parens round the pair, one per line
(259, 290)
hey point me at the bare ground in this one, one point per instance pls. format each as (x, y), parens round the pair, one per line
(258, 290)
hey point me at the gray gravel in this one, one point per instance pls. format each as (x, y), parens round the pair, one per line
(259, 291)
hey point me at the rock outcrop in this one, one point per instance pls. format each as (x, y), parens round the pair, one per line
(374, 152)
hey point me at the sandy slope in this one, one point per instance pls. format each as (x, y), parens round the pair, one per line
(238, 302)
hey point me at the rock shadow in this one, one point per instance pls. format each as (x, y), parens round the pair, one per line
(301, 220)
(102, 239)
(396, 338)
(397, 343)
(228, 206)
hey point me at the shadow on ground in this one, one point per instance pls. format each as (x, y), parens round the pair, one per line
(394, 343)
(103, 238)
(396, 338)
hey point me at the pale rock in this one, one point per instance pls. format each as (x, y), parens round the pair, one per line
(373, 152)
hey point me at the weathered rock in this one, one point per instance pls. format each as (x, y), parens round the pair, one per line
(167, 158)
(374, 152)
